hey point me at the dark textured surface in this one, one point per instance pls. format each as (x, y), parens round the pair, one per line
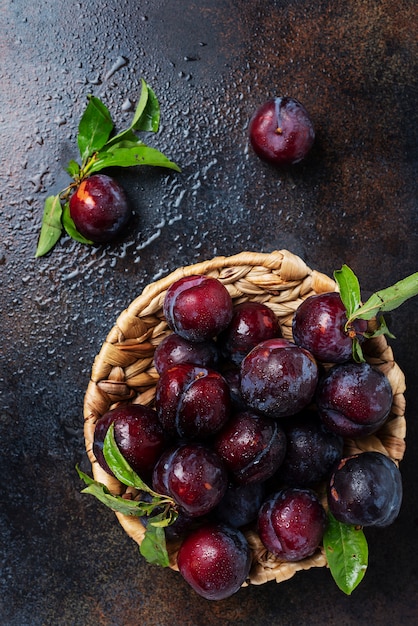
(63, 558)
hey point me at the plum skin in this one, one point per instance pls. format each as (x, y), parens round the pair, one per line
(193, 475)
(291, 523)
(252, 322)
(197, 307)
(174, 350)
(278, 378)
(192, 402)
(281, 131)
(319, 326)
(365, 489)
(99, 208)
(354, 399)
(138, 434)
(215, 560)
(311, 452)
(251, 446)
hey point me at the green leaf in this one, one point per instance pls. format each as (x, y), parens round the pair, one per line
(124, 139)
(389, 299)
(119, 465)
(357, 351)
(382, 329)
(69, 226)
(349, 289)
(102, 493)
(347, 554)
(51, 228)
(73, 169)
(94, 129)
(146, 118)
(147, 112)
(139, 154)
(153, 547)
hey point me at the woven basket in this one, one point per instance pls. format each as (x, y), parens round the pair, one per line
(123, 371)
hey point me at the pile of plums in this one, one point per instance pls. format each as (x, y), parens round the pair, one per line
(247, 425)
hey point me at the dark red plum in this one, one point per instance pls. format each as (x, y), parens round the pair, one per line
(252, 322)
(215, 560)
(193, 475)
(354, 399)
(278, 378)
(99, 208)
(240, 504)
(138, 434)
(192, 402)
(197, 308)
(281, 131)
(311, 450)
(251, 446)
(174, 350)
(319, 325)
(366, 490)
(291, 523)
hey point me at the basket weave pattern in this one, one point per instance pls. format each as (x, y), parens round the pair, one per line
(123, 370)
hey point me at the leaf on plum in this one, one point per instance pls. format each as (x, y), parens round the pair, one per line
(347, 554)
(118, 465)
(349, 289)
(94, 129)
(51, 228)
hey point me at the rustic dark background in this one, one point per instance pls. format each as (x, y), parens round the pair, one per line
(64, 560)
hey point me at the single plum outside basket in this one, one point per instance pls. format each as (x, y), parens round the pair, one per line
(123, 371)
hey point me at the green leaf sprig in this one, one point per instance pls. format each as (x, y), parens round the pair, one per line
(100, 149)
(160, 510)
(379, 302)
(347, 553)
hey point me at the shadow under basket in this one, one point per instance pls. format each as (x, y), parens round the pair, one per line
(123, 371)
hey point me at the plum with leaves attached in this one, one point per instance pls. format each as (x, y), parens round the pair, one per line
(99, 208)
(138, 434)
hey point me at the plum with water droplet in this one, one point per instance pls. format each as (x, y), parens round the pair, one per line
(281, 131)
(99, 208)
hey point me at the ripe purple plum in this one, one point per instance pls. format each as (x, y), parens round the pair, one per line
(192, 402)
(319, 325)
(252, 322)
(251, 446)
(354, 399)
(193, 475)
(215, 560)
(99, 208)
(278, 378)
(366, 490)
(311, 451)
(174, 349)
(240, 504)
(198, 307)
(281, 131)
(138, 434)
(291, 523)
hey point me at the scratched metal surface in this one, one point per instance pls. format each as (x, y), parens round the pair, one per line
(63, 559)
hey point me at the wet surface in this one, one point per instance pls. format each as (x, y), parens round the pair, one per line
(63, 559)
